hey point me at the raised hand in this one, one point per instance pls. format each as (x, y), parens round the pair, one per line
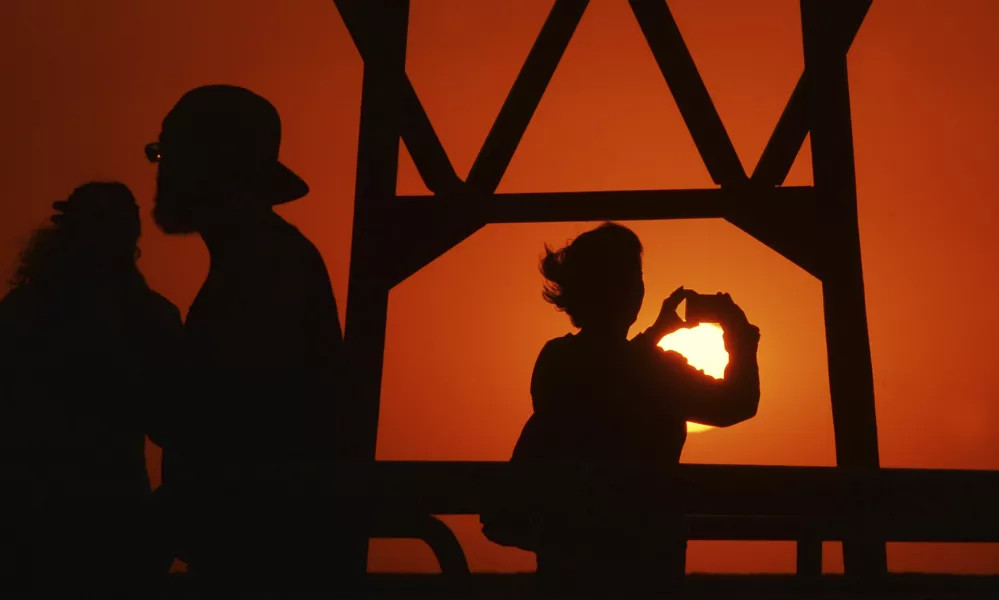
(733, 318)
(668, 321)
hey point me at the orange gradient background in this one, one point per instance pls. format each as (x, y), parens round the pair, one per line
(87, 83)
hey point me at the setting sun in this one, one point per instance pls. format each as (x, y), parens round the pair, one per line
(704, 348)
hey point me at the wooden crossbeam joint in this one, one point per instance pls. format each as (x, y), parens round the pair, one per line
(788, 136)
(426, 239)
(417, 131)
(437, 224)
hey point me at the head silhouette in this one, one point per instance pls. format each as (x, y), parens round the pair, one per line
(218, 160)
(597, 279)
(93, 236)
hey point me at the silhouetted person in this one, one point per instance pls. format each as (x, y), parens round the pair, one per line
(263, 349)
(599, 396)
(85, 343)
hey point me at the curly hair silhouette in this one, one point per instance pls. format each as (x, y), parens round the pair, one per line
(94, 232)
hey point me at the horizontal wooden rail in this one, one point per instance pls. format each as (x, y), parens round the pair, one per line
(806, 505)
(887, 496)
(619, 205)
(724, 490)
(786, 219)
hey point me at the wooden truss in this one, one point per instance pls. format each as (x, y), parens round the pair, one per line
(815, 226)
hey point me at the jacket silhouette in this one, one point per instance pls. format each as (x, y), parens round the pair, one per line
(255, 435)
(600, 397)
(86, 345)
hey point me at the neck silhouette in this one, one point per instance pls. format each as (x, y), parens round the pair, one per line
(226, 237)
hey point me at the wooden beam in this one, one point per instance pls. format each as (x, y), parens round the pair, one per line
(789, 134)
(496, 153)
(377, 167)
(851, 379)
(784, 219)
(908, 503)
(417, 131)
(791, 229)
(432, 229)
(719, 490)
(610, 206)
(425, 228)
(433, 225)
(692, 97)
(367, 300)
(808, 556)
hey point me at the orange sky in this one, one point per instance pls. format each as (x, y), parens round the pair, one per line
(86, 85)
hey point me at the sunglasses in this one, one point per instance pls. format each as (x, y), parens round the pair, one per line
(153, 152)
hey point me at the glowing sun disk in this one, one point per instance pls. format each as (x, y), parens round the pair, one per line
(704, 348)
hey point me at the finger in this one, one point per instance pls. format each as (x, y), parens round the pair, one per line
(674, 299)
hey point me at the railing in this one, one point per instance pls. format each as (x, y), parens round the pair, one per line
(807, 505)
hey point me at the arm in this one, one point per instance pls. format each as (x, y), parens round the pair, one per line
(162, 410)
(728, 401)
(327, 368)
(700, 397)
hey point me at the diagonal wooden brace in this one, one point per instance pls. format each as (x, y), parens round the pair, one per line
(789, 134)
(691, 96)
(431, 227)
(417, 131)
(496, 153)
(788, 226)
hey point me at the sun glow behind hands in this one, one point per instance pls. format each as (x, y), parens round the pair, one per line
(704, 348)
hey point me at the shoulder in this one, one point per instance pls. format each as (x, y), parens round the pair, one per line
(20, 303)
(306, 260)
(291, 239)
(557, 346)
(13, 307)
(13, 300)
(551, 362)
(553, 355)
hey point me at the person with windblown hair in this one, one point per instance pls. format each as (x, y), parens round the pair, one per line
(599, 397)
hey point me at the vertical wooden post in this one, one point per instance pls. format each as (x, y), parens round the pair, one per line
(851, 380)
(385, 28)
(809, 557)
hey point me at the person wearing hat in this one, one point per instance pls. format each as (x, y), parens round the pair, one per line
(262, 348)
(86, 344)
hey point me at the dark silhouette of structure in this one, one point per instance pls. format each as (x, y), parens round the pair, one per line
(262, 353)
(599, 396)
(815, 226)
(85, 343)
